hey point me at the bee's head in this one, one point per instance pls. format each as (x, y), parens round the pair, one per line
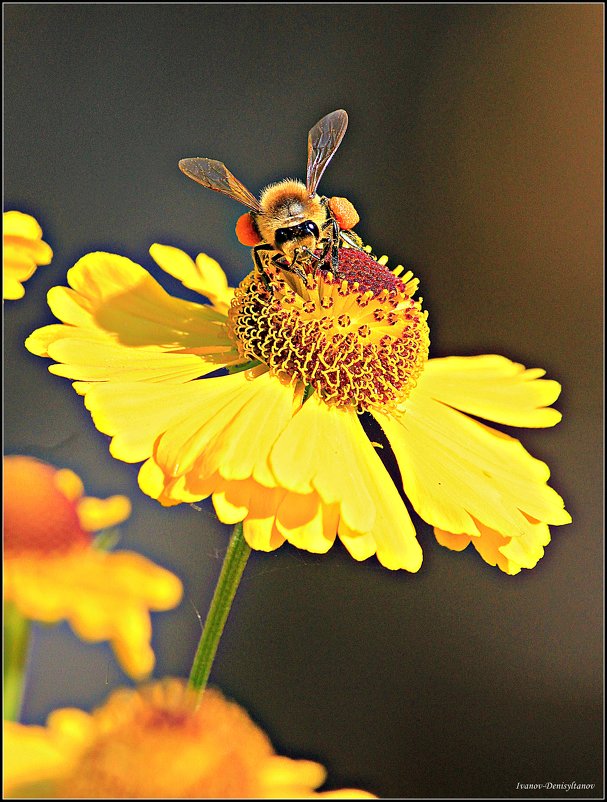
(286, 209)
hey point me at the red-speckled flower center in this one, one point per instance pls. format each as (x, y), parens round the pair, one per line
(38, 518)
(355, 265)
(358, 339)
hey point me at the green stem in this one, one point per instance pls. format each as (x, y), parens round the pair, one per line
(227, 585)
(16, 649)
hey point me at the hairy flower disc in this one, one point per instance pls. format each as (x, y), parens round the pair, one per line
(358, 339)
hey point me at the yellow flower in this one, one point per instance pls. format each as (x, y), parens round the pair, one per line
(278, 441)
(24, 251)
(154, 743)
(52, 571)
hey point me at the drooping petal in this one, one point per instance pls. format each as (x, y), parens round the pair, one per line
(136, 414)
(311, 455)
(224, 426)
(325, 449)
(240, 416)
(456, 470)
(492, 387)
(307, 523)
(451, 541)
(84, 358)
(510, 554)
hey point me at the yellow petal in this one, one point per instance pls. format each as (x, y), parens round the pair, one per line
(360, 547)
(204, 276)
(492, 387)
(236, 421)
(154, 482)
(69, 484)
(23, 251)
(12, 289)
(510, 554)
(18, 224)
(456, 470)
(136, 414)
(525, 552)
(325, 449)
(101, 513)
(215, 281)
(307, 523)
(232, 502)
(261, 534)
(247, 422)
(122, 326)
(34, 757)
(451, 541)
(123, 299)
(253, 504)
(311, 454)
(104, 596)
(85, 359)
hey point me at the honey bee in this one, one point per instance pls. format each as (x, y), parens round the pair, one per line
(290, 223)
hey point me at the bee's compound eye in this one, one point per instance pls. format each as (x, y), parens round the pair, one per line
(311, 228)
(283, 235)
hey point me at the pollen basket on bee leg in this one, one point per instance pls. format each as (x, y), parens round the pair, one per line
(246, 231)
(344, 213)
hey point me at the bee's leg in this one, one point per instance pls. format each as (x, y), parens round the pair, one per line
(259, 263)
(311, 253)
(291, 268)
(352, 240)
(334, 248)
(332, 245)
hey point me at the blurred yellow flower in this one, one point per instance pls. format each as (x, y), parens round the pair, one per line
(154, 743)
(52, 570)
(278, 442)
(23, 252)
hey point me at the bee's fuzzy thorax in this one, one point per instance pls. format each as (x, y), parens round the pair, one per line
(289, 187)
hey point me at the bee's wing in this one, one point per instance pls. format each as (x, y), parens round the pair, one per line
(215, 175)
(323, 141)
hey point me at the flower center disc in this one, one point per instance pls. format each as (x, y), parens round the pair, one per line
(358, 338)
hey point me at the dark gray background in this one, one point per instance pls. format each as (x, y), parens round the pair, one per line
(474, 157)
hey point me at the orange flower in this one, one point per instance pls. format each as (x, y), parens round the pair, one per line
(154, 743)
(52, 570)
(24, 251)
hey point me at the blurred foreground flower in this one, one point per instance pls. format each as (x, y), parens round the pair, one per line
(53, 571)
(24, 251)
(154, 743)
(278, 442)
